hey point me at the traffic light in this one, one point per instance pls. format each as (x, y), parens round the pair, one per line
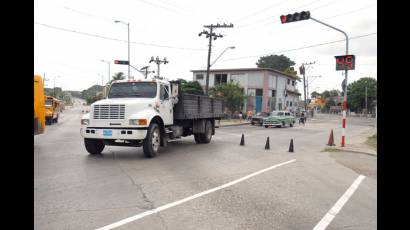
(304, 15)
(121, 62)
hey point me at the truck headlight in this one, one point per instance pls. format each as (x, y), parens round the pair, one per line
(138, 122)
(85, 121)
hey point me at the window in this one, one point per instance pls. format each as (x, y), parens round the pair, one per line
(48, 102)
(164, 92)
(133, 89)
(199, 77)
(290, 104)
(273, 93)
(293, 83)
(288, 81)
(220, 79)
(259, 92)
(251, 92)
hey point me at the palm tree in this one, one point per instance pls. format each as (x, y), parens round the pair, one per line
(118, 76)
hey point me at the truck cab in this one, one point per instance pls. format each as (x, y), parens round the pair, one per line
(141, 113)
(52, 109)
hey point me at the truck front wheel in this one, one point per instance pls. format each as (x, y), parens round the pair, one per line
(152, 141)
(94, 146)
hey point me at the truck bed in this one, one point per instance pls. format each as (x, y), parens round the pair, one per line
(192, 106)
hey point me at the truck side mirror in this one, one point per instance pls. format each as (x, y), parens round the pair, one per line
(174, 90)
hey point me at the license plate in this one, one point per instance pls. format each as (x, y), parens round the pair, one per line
(107, 132)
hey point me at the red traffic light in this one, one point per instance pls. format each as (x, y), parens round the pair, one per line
(283, 18)
(304, 15)
(118, 62)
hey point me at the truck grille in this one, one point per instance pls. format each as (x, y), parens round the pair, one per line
(108, 111)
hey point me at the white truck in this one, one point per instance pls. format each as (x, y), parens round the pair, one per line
(148, 113)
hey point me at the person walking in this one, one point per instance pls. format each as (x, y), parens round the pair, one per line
(302, 119)
(250, 114)
(240, 116)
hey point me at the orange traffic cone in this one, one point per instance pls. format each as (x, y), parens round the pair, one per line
(331, 141)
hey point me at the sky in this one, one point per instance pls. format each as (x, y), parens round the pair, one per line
(72, 37)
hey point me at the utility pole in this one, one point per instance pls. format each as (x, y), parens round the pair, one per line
(211, 35)
(146, 72)
(365, 92)
(158, 62)
(308, 83)
(302, 70)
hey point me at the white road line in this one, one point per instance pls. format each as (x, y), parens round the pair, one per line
(170, 205)
(325, 221)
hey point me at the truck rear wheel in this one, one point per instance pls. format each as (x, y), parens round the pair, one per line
(197, 139)
(207, 136)
(93, 146)
(152, 141)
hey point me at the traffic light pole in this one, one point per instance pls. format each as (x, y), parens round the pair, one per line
(345, 91)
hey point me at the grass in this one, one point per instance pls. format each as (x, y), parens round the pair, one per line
(329, 149)
(372, 141)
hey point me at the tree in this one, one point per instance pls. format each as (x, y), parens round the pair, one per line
(281, 63)
(356, 94)
(117, 76)
(231, 93)
(315, 94)
(325, 94)
(191, 87)
(330, 102)
(335, 93)
(291, 71)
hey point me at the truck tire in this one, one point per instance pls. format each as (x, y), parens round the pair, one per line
(93, 146)
(152, 141)
(207, 136)
(197, 139)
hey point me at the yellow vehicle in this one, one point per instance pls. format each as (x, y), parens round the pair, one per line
(39, 110)
(53, 109)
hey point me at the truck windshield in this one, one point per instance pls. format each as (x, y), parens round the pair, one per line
(48, 102)
(133, 89)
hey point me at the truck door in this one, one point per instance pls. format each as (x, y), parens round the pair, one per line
(166, 107)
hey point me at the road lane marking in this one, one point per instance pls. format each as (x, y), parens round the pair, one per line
(170, 205)
(325, 221)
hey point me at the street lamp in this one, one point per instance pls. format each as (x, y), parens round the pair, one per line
(230, 47)
(109, 64)
(128, 25)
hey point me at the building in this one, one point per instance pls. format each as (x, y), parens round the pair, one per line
(266, 89)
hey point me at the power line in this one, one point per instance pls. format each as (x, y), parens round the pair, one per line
(259, 11)
(270, 21)
(270, 17)
(300, 48)
(115, 39)
(87, 14)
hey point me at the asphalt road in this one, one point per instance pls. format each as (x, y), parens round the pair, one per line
(74, 190)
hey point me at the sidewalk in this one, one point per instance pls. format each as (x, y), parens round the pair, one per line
(359, 145)
(232, 122)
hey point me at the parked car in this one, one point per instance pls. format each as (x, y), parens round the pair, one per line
(279, 119)
(258, 118)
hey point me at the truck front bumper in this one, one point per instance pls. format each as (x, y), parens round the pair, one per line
(114, 134)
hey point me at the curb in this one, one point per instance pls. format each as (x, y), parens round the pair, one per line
(355, 151)
(232, 125)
